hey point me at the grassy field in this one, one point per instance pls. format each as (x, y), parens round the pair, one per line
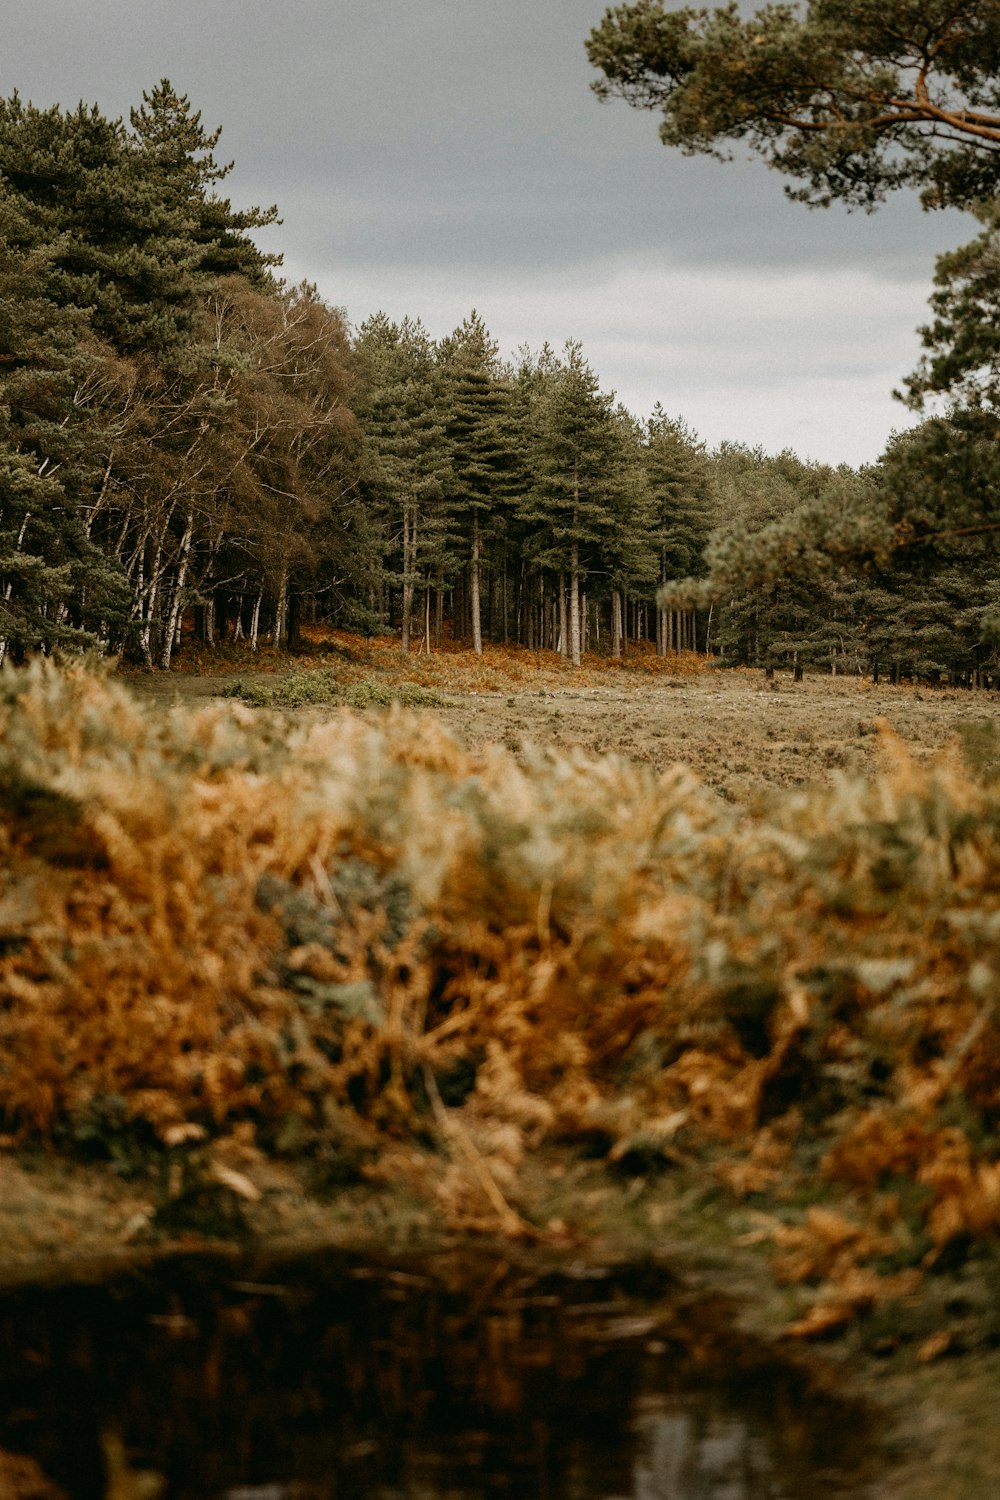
(739, 732)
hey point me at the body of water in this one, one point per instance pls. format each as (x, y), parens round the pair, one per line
(328, 1379)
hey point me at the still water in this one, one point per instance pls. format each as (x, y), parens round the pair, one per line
(328, 1379)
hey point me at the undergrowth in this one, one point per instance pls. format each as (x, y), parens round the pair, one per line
(452, 667)
(323, 685)
(356, 942)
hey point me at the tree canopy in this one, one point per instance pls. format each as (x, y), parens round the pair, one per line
(962, 346)
(851, 98)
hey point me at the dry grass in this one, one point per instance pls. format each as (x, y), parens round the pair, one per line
(741, 734)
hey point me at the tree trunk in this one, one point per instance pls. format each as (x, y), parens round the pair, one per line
(409, 539)
(616, 626)
(293, 615)
(506, 603)
(477, 624)
(574, 605)
(280, 609)
(255, 620)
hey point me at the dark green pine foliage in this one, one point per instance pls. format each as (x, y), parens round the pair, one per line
(851, 102)
(486, 473)
(114, 250)
(578, 463)
(962, 345)
(851, 99)
(679, 478)
(175, 159)
(56, 587)
(939, 485)
(629, 553)
(683, 501)
(125, 237)
(132, 218)
(768, 613)
(405, 468)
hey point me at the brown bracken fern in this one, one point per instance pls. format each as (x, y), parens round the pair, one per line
(217, 920)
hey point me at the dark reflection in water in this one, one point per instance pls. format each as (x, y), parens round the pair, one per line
(327, 1380)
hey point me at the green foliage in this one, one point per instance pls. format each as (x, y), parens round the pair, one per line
(852, 100)
(370, 694)
(405, 465)
(962, 358)
(486, 472)
(294, 691)
(57, 588)
(680, 482)
(131, 217)
(577, 461)
(853, 103)
(301, 689)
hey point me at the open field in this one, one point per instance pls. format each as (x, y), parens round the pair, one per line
(740, 733)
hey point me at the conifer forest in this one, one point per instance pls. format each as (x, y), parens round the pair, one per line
(187, 439)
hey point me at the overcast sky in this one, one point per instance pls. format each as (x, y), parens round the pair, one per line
(431, 156)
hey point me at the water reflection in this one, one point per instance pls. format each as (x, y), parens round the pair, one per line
(332, 1381)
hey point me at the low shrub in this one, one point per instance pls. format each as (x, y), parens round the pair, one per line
(300, 689)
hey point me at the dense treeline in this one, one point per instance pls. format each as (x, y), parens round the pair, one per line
(186, 439)
(889, 572)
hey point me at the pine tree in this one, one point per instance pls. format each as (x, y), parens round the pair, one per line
(405, 464)
(56, 587)
(134, 223)
(679, 479)
(577, 462)
(175, 162)
(629, 553)
(479, 432)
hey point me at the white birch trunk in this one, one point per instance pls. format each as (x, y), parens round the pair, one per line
(255, 620)
(281, 609)
(176, 604)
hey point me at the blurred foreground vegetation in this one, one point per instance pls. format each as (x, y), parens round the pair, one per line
(226, 937)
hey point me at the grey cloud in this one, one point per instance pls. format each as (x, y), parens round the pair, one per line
(444, 132)
(418, 144)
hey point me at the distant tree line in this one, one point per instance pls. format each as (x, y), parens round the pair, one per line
(186, 440)
(858, 572)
